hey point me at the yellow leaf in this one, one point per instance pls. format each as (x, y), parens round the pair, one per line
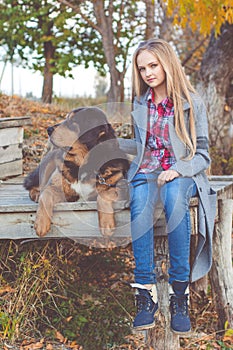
(228, 333)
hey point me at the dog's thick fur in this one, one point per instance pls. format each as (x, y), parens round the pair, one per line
(85, 160)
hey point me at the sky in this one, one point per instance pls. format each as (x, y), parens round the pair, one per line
(26, 81)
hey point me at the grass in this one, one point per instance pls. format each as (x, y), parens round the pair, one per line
(60, 287)
(62, 292)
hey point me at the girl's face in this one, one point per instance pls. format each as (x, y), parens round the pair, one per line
(151, 70)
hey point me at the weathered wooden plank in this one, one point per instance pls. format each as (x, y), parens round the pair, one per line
(13, 197)
(10, 153)
(11, 136)
(66, 224)
(218, 178)
(16, 208)
(11, 168)
(11, 139)
(14, 122)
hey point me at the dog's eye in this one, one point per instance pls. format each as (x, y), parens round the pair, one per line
(102, 133)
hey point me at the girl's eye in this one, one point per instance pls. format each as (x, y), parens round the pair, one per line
(154, 65)
(141, 69)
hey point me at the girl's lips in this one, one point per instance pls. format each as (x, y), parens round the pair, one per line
(150, 80)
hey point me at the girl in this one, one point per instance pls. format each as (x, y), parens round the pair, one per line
(171, 146)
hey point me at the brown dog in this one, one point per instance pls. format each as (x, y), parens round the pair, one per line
(86, 161)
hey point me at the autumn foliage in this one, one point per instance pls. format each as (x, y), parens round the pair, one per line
(202, 16)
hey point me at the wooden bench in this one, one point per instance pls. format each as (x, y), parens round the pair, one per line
(79, 221)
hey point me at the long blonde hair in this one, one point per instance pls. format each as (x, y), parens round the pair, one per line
(178, 87)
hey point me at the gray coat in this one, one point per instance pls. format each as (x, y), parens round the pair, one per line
(194, 168)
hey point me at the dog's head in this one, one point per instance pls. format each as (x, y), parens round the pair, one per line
(86, 126)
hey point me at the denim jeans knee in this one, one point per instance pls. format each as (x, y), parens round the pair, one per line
(175, 196)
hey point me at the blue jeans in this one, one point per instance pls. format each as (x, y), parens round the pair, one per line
(175, 197)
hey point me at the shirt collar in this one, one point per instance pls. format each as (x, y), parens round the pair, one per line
(167, 101)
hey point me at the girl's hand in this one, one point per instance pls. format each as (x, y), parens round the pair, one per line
(166, 176)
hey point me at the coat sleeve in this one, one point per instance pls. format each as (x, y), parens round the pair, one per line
(201, 160)
(128, 145)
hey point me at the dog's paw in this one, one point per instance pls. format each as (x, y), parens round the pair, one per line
(34, 194)
(107, 225)
(42, 226)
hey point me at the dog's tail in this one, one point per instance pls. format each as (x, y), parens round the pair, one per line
(32, 180)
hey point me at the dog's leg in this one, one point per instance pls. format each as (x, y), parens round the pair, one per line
(105, 209)
(51, 195)
(44, 212)
(37, 180)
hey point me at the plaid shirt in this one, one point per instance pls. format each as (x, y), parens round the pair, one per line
(158, 152)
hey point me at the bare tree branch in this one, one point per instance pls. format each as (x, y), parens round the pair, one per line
(191, 53)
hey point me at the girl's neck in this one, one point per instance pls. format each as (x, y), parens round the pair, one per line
(159, 95)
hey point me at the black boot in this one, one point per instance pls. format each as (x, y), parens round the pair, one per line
(180, 321)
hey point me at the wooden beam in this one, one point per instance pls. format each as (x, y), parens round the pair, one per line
(14, 122)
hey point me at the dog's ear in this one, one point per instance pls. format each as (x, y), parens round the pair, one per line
(110, 131)
(74, 112)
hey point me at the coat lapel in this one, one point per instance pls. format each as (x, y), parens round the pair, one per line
(140, 117)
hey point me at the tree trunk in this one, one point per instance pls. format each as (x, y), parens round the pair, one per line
(161, 337)
(104, 23)
(47, 91)
(114, 92)
(216, 85)
(150, 19)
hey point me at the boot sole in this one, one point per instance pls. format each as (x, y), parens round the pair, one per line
(182, 334)
(146, 326)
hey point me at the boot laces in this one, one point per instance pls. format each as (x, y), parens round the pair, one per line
(143, 301)
(179, 304)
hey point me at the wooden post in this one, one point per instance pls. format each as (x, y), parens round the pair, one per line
(161, 337)
(221, 274)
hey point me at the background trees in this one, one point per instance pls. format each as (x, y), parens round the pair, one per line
(215, 77)
(113, 28)
(54, 36)
(39, 33)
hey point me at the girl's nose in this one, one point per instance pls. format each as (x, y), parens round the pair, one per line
(148, 72)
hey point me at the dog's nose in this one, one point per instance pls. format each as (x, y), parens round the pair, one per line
(50, 130)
